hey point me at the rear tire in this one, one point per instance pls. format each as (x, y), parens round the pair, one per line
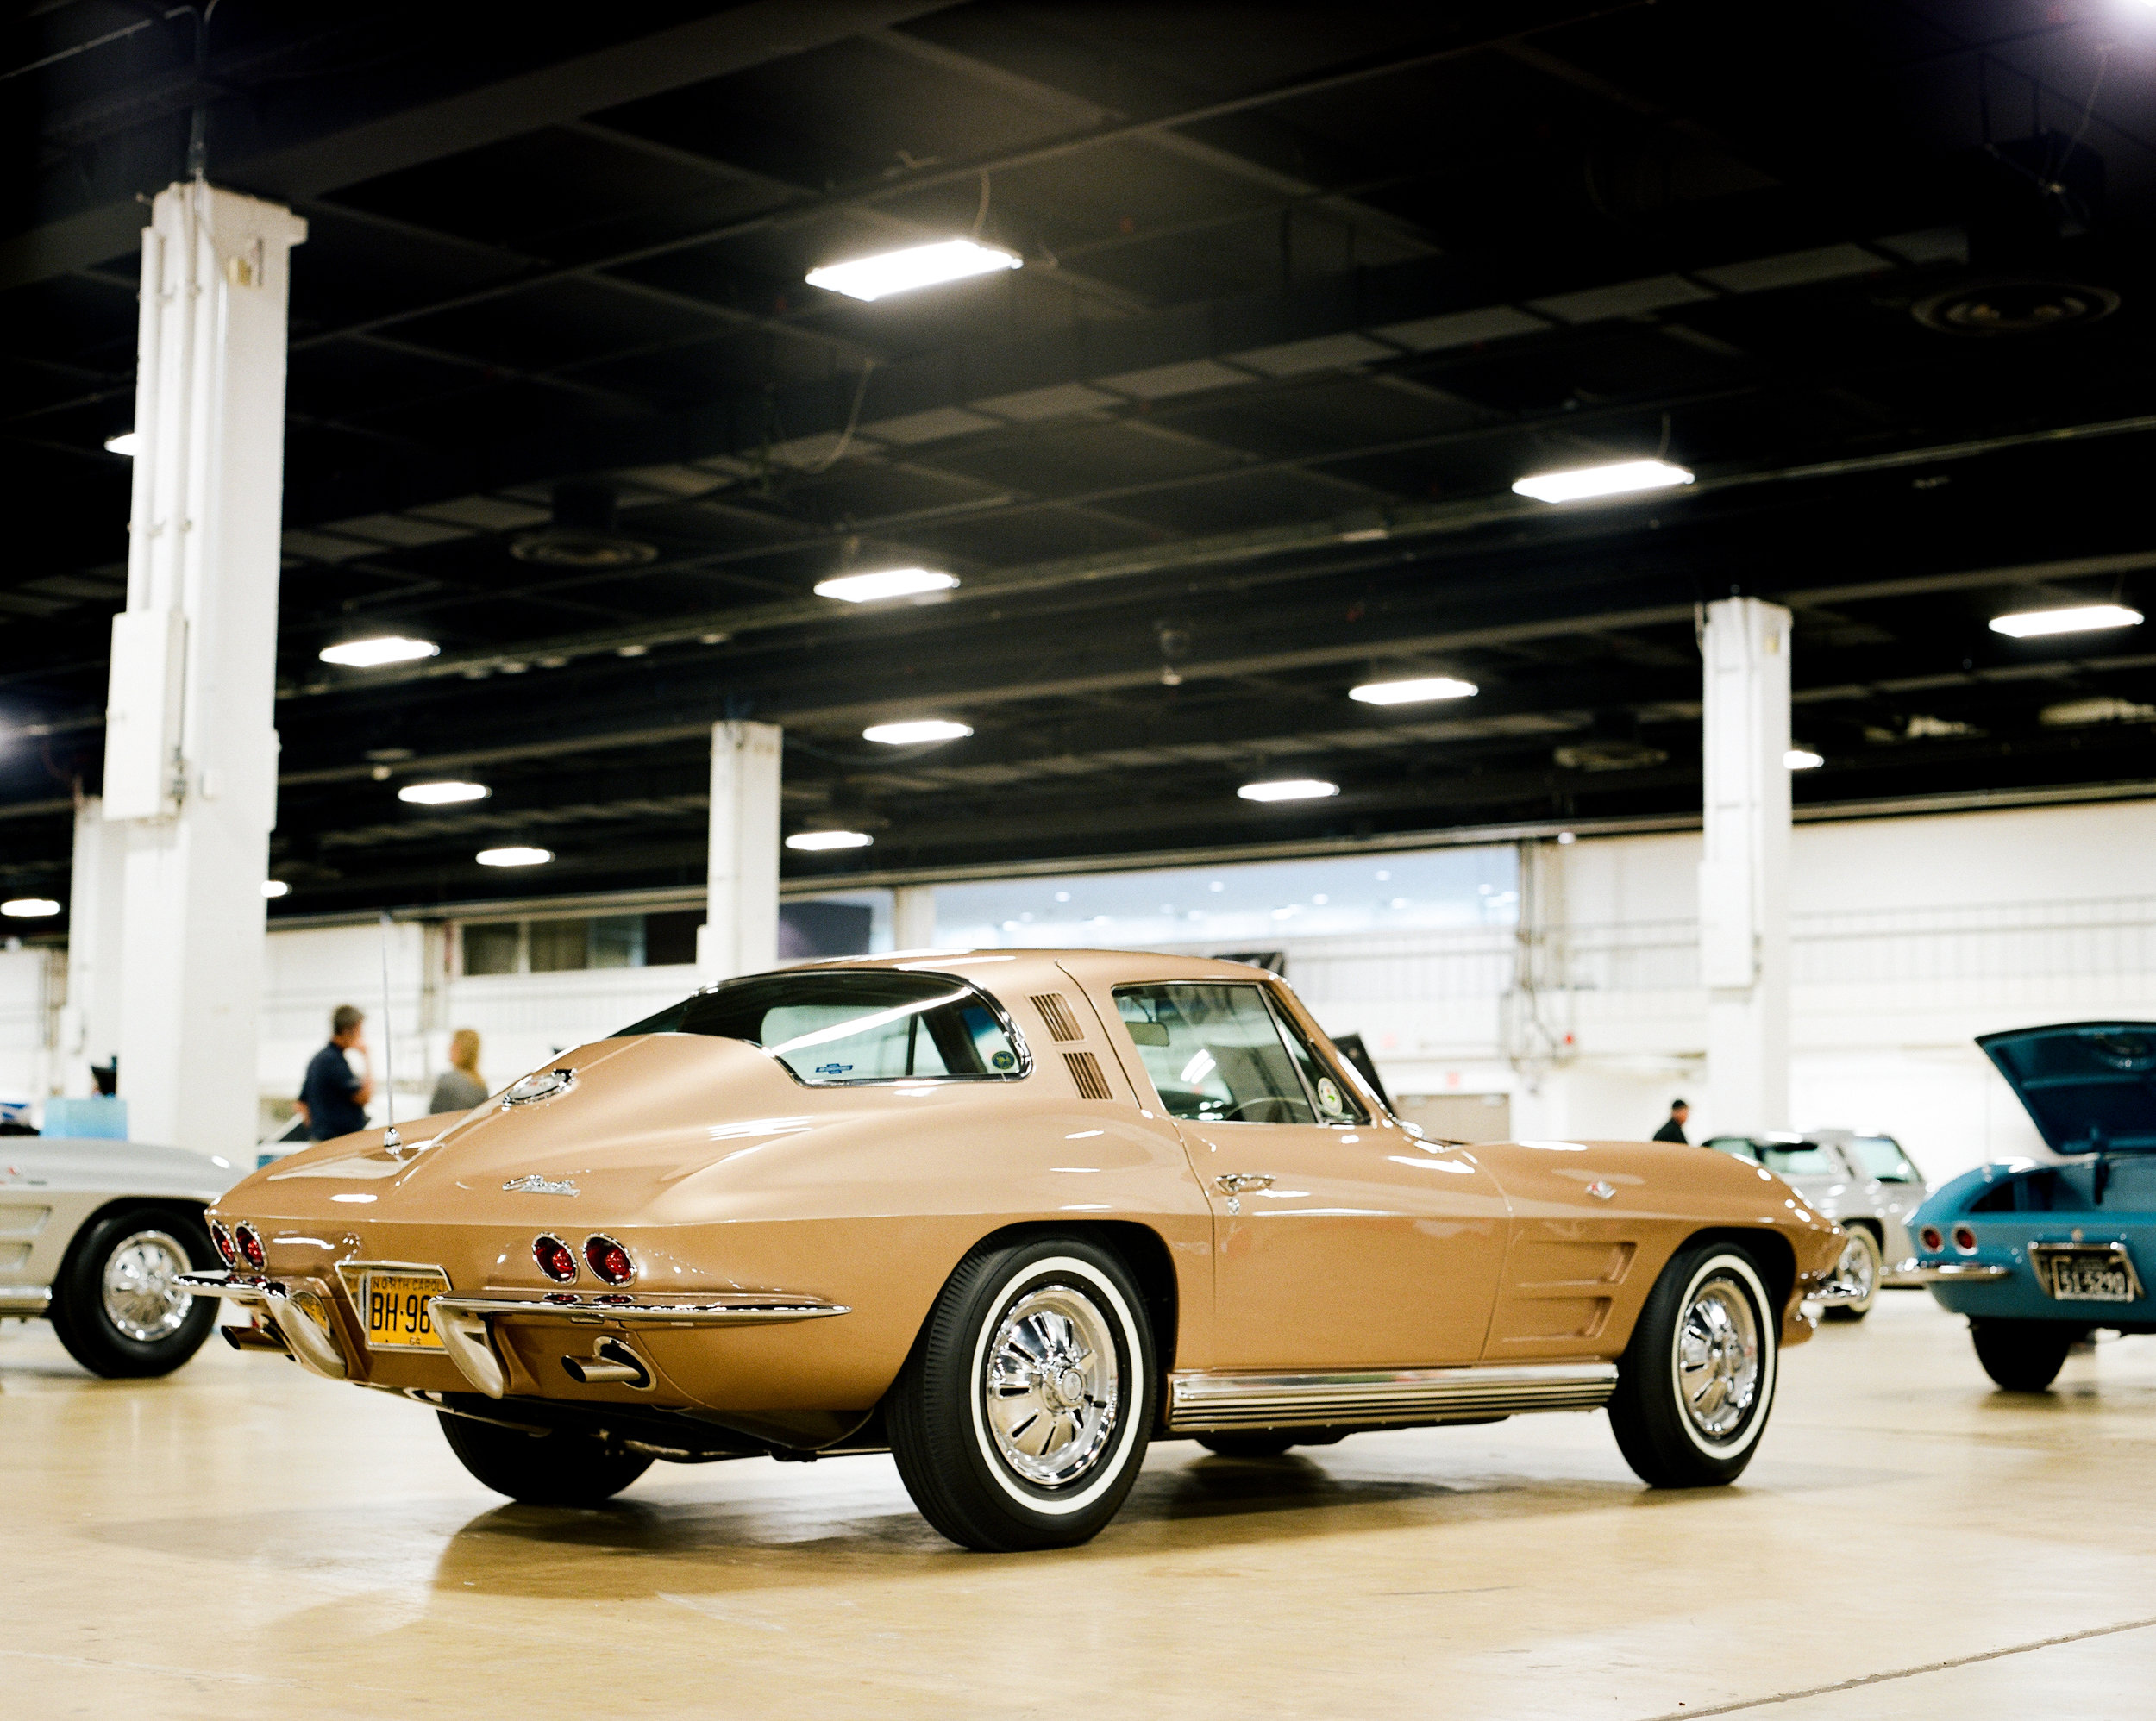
(1022, 1416)
(1696, 1383)
(556, 1469)
(1859, 1263)
(2023, 1356)
(114, 1305)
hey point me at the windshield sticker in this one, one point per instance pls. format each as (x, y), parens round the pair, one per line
(1005, 1060)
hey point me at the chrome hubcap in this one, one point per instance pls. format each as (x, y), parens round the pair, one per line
(143, 1296)
(1051, 1388)
(1717, 1358)
(1858, 1268)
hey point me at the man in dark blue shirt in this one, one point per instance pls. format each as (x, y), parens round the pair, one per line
(333, 1100)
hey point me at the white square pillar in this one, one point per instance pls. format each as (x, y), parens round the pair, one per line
(90, 1021)
(1744, 876)
(191, 748)
(740, 935)
(913, 917)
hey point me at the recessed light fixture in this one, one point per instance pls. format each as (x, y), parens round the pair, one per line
(1412, 693)
(927, 728)
(443, 794)
(1618, 478)
(1289, 789)
(30, 908)
(2083, 619)
(127, 442)
(890, 582)
(814, 840)
(870, 278)
(1804, 759)
(514, 857)
(374, 653)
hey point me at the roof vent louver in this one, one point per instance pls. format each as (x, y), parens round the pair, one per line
(1056, 1011)
(1087, 1073)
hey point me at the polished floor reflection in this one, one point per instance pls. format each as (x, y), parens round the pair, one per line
(242, 1538)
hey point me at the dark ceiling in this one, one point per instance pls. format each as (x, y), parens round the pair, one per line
(1305, 289)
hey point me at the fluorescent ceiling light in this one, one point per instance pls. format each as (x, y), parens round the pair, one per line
(372, 654)
(514, 857)
(890, 582)
(273, 888)
(919, 266)
(1412, 693)
(1617, 479)
(1804, 759)
(813, 839)
(443, 794)
(928, 729)
(127, 442)
(1292, 789)
(30, 908)
(2086, 618)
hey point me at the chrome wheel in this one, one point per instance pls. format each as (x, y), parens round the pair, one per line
(1858, 1267)
(1718, 1357)
(1049, 1387)
(139, 1288)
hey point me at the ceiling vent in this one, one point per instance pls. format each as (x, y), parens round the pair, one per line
(584, 534)
(1999, 308)
(1609, 756)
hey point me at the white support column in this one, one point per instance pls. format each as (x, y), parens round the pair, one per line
(1743, 878)
(90, 1021)
(191, 748)
(913, 917)
(740, 935)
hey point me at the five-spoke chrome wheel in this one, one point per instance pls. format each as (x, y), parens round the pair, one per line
(140, 1289)
(1049, 1390)
(1718, 1357)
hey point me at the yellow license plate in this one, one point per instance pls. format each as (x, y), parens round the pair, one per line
(394, 1307)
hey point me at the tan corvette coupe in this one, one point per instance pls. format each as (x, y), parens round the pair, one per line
(1010, 1216)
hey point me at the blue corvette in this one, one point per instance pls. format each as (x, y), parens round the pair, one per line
(2038, 1253)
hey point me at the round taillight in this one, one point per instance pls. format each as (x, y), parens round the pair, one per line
(1964, 1240)
(1930, 1238)
(555, 1258)
(251, 1247)
(610, 1260)
(226, 1247)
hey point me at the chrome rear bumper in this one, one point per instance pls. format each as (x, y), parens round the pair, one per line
(1911, 1271)
(302, 1317)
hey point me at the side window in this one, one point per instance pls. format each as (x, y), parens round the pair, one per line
(1335, 1104)
(1214, 1053)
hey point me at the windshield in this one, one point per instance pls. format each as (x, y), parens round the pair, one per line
(833, 1028)
(1881, 1156)
(1783, 1159)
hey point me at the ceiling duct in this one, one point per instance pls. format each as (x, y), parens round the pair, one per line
(584, 533)
(1614, 745)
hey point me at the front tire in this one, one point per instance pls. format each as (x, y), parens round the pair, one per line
(2023, 1356)
(556, 1469)
(116, 1304)
(1696, 1383)
(1022, 1416)
(1859, 1265)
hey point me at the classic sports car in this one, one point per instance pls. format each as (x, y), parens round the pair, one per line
(96, 1236)
(2038, 1254)
(1010, 1216)
(1863, 1181)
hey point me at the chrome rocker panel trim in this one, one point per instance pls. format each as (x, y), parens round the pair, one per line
(24, 1302)
(1912, 1272)
(303, 1320)
(1200, 1402)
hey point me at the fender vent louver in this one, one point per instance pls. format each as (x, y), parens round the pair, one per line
(1055, 1010)
(1087, 1073)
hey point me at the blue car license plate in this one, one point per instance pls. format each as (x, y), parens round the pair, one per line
(2102, 1272)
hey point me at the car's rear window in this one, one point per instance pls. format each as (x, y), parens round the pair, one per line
(1882, 1157)
(830, 1028)
(1783, 1159)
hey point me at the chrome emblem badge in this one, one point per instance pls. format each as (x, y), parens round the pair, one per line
(1602, 1189)
(533, 1185)
(539, 1085)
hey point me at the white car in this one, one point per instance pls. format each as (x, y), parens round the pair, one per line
(94, 1236)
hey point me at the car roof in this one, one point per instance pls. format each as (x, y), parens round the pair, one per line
(1030, 970)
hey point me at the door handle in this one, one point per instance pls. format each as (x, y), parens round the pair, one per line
(1235, 1182)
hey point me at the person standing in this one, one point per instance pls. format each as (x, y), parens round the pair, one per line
(333, 1099)
(1673, 1129)
(461, 1086)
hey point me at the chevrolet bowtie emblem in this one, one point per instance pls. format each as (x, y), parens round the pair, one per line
(540, 1185)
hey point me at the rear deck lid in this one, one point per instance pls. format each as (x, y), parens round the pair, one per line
(2089, 1086)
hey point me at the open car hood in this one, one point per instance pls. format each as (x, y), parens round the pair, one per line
(2089, 1086)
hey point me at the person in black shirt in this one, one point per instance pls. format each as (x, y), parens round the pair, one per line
(333, 1100)
(1673, 1130)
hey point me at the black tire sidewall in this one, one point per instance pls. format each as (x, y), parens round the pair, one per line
(556, 1469)
(79, 1314)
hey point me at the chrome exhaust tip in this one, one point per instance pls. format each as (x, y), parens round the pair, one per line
(612, 1364)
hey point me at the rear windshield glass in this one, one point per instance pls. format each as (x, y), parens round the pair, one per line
(1783, 1159)
(1881, 1156)
(834, 1027)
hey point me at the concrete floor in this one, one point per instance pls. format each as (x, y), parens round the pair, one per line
(240, 1539)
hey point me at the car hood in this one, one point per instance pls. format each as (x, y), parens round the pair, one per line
(2088, 1086)
(97, 1163)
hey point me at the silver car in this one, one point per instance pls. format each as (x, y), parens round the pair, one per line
(1862, 1178)
(94, 1236)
